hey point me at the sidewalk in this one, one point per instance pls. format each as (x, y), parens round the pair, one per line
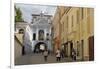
(38, 59)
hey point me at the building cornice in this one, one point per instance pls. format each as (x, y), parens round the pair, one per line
(43, 15)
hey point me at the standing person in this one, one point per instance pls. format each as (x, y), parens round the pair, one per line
(62, 53)
(73, 54)
(58, 55)
(45, 54)
(42, 48)
(37, 50)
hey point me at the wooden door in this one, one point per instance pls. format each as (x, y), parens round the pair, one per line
(91, 48)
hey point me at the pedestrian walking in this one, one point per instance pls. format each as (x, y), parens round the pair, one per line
(37, 50)
(62, 53)
(45, 54)
(73, 55)
(42, 48)
(58, 55)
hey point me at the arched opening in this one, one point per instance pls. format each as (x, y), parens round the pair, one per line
(21, 31)
(40, 47)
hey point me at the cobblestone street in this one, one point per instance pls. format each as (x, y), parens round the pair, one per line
(38, 59)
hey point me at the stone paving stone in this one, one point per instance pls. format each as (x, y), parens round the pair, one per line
(38, 59)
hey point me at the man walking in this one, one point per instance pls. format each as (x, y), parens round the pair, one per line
(45, 55)
(74, 54)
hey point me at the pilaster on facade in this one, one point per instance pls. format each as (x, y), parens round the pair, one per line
(37, 35)
(45, 34)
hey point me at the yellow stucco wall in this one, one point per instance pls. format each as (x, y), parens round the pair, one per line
(76, 27)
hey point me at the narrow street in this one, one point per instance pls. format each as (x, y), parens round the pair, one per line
(66, 31)
(38, 59)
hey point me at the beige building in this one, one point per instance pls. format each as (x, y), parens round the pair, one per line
(18, 42)
(18, 45)
(76, 31)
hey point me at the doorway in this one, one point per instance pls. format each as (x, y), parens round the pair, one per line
(71, 48)
(91, 48)
(82, 49)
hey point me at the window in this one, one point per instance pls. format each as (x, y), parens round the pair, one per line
(21, 31)
(67, 22)
(77, 16)
(41, 34)
(47, 36)
(63, 40)
(88, 11)
(34, 36)
(82, 13)
(72, 20)
(63, 26)
(82, 44)
(34, 19)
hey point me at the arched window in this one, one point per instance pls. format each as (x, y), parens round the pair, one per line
(41, 34)
(21, 31)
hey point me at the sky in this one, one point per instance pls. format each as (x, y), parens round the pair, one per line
(29, 9)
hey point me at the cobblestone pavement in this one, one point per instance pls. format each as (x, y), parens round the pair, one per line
(38, 59)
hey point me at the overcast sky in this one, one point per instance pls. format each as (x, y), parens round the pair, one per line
(29, 9)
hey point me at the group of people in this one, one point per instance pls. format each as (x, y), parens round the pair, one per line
(59, 54)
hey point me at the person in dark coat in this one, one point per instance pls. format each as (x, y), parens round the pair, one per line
(45, 53)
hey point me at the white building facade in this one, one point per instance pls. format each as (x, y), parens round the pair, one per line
(37, 34)
(41, 31)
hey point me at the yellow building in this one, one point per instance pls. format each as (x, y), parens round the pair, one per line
(76, 31)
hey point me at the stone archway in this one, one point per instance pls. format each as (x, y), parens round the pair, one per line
(40, 47)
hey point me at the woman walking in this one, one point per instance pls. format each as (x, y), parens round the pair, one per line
(58, 55)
